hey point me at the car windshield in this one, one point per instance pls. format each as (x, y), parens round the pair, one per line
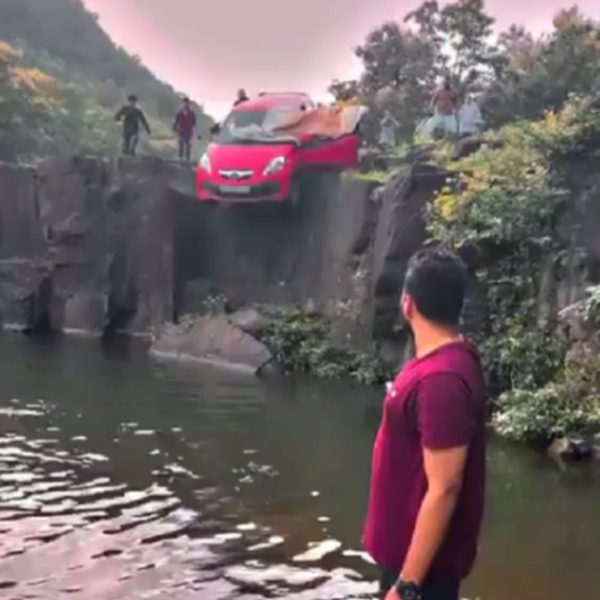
(253, 125)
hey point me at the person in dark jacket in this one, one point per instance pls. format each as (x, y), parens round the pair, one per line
(185, 123)
(132, 117)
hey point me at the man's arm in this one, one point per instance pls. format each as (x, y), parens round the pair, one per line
(120, 114)
(434, 100)
(144, 122)
(444, 470)
(446, 423)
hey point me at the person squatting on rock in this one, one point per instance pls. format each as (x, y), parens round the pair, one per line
(241, 97)
(185, 123)
(428, 478)
(132, 117)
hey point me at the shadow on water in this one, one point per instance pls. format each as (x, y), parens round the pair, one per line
(123, 478)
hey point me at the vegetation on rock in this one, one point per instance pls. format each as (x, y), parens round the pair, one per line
(501, 209)
(301, 342)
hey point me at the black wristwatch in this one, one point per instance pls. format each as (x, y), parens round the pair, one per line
(408, 590)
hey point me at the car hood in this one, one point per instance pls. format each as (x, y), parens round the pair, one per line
(253, 156)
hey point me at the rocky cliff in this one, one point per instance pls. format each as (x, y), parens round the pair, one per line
(91, 246)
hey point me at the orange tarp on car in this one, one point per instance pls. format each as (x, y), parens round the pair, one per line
(326, 121)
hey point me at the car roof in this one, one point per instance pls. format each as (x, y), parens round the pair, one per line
(272, 100)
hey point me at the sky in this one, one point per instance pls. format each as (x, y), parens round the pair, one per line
(210, 48)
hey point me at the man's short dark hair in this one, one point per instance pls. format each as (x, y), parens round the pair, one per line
(437, 281)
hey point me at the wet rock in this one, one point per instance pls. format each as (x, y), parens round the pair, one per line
(250, 320)
(194, 296)
(25, 294)
(212, 340)
(561, 448)
(595, 448)
(571, 448)
(85, 313)
(87, 244)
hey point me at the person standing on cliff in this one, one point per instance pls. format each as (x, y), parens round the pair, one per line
(185, 123)
(388, 126)
(445, 106)
(428, 479)
(132, 117)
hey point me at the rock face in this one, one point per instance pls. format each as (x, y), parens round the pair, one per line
(90, 246)
(212, 340)
(87, 245)
(400, 232)
(93, 246)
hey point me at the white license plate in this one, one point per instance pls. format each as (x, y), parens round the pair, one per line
(236, 189)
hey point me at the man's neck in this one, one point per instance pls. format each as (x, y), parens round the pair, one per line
(429, 337)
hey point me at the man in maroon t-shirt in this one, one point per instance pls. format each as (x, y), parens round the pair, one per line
(185, 123)
(428, 479)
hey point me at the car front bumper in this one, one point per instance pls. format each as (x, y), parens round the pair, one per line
(273, 190)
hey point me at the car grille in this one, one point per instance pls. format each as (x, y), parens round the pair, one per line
(262, 190)
(236, 175)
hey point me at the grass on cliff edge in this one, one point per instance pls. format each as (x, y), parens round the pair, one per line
(502, 206)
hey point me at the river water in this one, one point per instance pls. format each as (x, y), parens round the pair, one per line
(123, 478)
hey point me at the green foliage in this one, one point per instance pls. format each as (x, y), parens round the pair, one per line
(461, 34)
(502, 205)
(63, 80)
(398, 74)
(377, 176)
(569, 405)
(536, 75)
(401, 65)
(301, 342)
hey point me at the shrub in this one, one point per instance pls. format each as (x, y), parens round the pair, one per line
(301, 342)
(569, 405)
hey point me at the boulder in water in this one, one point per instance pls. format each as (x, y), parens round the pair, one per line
(213, 340)
(250, 320)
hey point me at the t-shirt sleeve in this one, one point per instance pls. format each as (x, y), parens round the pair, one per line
(445, 411)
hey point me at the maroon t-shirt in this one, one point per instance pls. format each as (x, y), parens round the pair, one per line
(437, 402)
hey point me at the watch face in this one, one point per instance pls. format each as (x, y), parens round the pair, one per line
(409, 591)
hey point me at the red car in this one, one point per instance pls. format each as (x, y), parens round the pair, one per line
(255, 156)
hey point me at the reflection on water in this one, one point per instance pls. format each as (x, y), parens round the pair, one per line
(120, 478)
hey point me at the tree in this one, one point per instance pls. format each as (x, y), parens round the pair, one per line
(401, 65)
(398, 73)
(342, 90)
(19, 113)
(461, 33)
(537, 75)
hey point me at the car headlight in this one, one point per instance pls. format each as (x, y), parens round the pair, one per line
(275, 165)
(205, 163)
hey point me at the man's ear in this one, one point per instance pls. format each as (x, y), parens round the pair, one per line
(408, 306)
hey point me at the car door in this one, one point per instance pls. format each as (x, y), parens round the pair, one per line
(333, 148)
(320, 151)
